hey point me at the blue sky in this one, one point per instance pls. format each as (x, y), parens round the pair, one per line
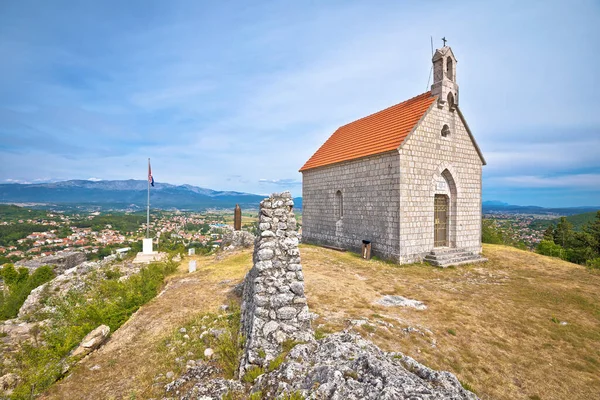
(236, 96)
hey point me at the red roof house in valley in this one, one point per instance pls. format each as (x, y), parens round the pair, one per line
(405, 180)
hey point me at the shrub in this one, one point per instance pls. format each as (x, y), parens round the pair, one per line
(252, 373)
(593, 263)
(276, 362)
(297, 395)
(20, 284)
(229, 344)
(108, 302)
(320, 333)
(551, 249)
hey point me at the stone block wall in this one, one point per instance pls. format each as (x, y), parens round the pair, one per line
(370, 190)
(274, 307)
(424, 156)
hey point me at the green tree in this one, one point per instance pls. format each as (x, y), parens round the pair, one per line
(9, 274)
(593, 229)
(549, 233)
(563, 232)
(64, 231)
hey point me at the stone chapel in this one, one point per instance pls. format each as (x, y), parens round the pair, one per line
(407, 179)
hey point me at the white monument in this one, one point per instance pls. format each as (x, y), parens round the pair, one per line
(192, 266)
(147, 246)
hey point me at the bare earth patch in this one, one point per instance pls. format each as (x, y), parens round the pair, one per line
(496, 325)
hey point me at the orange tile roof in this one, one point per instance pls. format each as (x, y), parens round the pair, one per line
(377, 133)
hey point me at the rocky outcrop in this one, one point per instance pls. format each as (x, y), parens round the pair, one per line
(14, 332)
(37, 308)
(206, 384)
(60, 262)
(345, 366)
(70, 279)
(8, 382)
(274, 308)
(91, 341)
(233, 240)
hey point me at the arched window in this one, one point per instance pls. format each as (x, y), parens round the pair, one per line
(449, 70)
(445, 130)
(451, 101)
(340, 204)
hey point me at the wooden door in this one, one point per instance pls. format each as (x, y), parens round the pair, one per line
(440, 235)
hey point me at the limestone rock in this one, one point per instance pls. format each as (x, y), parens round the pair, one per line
(345, 366)
(207, 384)
(401, 301)
(70, 279)
(233, 240)
(92, 341)
(8, 382)
(208, 353)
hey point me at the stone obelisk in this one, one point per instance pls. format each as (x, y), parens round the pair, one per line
(274, 308)
(237, 218)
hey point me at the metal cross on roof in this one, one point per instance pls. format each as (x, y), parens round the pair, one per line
(444, 40)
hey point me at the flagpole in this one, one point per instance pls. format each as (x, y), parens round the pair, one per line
(148, 209)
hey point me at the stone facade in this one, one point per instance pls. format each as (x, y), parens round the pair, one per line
(370, 199)
(432, 164)
(274, 307)
(388, 198)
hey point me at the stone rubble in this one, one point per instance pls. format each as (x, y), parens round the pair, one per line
(234, 240)
(207, 385)
(274, 308)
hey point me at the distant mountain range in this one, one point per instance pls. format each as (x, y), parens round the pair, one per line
(499, 206)
(126, 194)
(132, 194)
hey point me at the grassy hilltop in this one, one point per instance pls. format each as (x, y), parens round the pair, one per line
(498, 326)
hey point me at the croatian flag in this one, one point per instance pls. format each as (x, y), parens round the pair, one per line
(150, 178)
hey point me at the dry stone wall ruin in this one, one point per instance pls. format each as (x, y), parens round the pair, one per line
(274, 308)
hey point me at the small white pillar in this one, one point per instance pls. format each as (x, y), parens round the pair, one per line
(147, 246)
(191, 251)
(192, 266)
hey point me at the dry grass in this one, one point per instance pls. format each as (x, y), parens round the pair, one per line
(247, 218)
(493, 324)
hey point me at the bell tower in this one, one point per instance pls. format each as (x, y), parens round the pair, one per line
(444, 78)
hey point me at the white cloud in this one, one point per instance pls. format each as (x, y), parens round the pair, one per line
(22, 181)
(576, 181)
(281, 182)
